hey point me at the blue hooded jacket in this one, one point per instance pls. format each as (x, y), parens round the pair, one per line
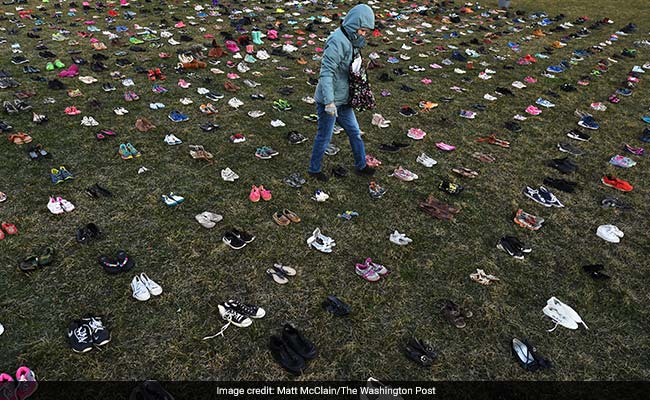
(338, 55)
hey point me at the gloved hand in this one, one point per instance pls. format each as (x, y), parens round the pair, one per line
(331, 110)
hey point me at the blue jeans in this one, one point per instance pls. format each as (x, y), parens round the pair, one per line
(348, 121)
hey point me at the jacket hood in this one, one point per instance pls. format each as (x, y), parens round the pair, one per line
(360, 16)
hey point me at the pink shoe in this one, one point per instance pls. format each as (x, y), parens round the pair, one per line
(426, 81)
(266, 194)
(532, 110)
(231, 46)
(272, 34)
(26, 385)
(530, 79)
(445, 147)
(255, 194)
(372, 161)
(367, 273)
(180, 24)
(416, 133)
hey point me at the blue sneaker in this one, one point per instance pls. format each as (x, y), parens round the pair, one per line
(588, 122)
(624, 91)
(646, 119)
(65, 174)
(56, 176)
(544, 103)
(555, 69)
(176, 116)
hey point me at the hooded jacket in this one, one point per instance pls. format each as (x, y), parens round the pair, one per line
(338, 55)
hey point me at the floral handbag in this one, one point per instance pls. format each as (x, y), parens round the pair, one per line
(361, 96)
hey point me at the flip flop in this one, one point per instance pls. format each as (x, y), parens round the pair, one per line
(281, 219)
(277, 276)
(15, 139)
(204, 221)
(293, 217)
(9, 228)
(288, 271)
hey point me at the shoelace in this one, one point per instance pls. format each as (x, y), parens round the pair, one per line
(95, 325)
(81, 334)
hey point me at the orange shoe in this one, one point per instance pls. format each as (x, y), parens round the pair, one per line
(616, 183)
(538, 33)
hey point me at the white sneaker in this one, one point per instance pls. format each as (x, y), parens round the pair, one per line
(489, 97)
(262, 55)
(54, 206)
(277, 123)
(562, 314)
(256, 113)
(202, 91)
(320, 196)
(85, 122)
(186, 101)
(235, 102)
(142, 170)
(139, 289)
(172, 140)
(308, 100)
(65, 204)
(242, 67)
(425, 160)
(399, 238)
(229, 175)
(609, 233)
(153, 288)
(173, 42)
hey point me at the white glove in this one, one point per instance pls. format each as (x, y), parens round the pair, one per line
(331, 110)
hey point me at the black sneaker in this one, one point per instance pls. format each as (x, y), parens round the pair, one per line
(400, 145)
(245, 236)
(517, 244)
(298, 342)
(233, 240)
(80, 337)
(407, 111)
(505, 245)
(100, 335)
(321, 176)
(336, 306)
(366, 171)
(563, 165)
(247, 310)
(296, 137)
(107, 87)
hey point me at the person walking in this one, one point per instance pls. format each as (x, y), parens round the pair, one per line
(332, 92)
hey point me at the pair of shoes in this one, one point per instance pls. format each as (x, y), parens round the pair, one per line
(9, 228)
(562, 314)
(295, 180)
(285, 217)
(258, 192)
(122, 263)
(404, 174)
(527, 356)
(128, 151)
(86, 333)
(229, 175)
(96, 190)
(528, 221)
(425, 160)
(238, 314)
(320, 196)
(481, 277)
(143, 287)
(513, 247)
(421, 352)
(60, 175)
(542, 196)
(32, 262)
(321, 242)
(399, 238)
(265, 153)
(454, 314)
(172, 199)
(208, 219)
(279, 273)
(292, 349)
(87, 233)
(23, 387)
(610, 233)
(376, 191)
(371, 271)
(59, 205)
(594, 270)
(237, 239)
(336, 306)
(450, 187)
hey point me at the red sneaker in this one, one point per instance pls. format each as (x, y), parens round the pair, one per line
(616, 183)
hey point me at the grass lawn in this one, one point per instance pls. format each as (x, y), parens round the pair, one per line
(162, 338)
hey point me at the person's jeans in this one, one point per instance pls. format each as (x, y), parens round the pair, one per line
(504, 4)
(348, 121)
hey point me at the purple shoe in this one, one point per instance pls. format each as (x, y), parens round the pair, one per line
(378, 268)
(385, 93)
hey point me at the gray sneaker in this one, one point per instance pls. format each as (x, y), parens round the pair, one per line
(569, 148)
